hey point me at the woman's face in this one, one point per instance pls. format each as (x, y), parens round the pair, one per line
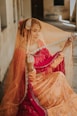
(35, 30)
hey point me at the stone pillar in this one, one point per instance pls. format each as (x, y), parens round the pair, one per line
(26, 8)
(76, 15)
(19, 9)
(0, 24)
(72, 7)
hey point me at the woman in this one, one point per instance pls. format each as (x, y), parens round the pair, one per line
(47, 91)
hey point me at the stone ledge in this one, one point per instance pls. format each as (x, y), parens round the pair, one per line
(54, 17)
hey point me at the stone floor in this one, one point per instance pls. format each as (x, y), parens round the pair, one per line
(63, 24)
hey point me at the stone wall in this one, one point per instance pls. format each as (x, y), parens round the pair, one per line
(7, 42)
(3, 13)
(7, 39)
(15, 11)
(64, 11)
(27, 8)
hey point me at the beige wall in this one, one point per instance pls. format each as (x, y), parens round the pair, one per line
(24, 9)
(49, 8)
(3, 12)
(27, 9)
(8, 35)
(7, 40)
(9, 11)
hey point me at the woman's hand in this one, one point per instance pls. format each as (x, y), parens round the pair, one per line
(30, 62)
(61, 54)
(68, 42)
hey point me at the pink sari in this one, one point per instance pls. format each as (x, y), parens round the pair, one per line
(30, 105)
(43, 60)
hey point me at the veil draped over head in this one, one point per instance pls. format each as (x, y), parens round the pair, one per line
(15, 85)
(55, 39)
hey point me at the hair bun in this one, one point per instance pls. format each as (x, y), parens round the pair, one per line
(28, 24)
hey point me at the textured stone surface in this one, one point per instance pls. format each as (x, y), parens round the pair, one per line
(75, 65)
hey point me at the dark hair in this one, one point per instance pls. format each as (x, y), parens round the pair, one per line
(35, 21)
(22, 25)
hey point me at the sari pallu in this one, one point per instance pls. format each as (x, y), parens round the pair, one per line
(13, 87)
(19, 103)
(43, 60)
(30, 105)
(51, 88)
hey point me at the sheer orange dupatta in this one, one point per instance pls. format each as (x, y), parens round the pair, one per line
(14, 84)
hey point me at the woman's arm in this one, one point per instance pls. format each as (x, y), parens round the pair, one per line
(60, 57)
(68, 43)
(57, 60)
(30, 68)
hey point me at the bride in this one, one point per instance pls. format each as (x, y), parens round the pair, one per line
(36, 82)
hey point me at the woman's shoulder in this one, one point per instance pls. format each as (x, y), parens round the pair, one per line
(41, 42)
